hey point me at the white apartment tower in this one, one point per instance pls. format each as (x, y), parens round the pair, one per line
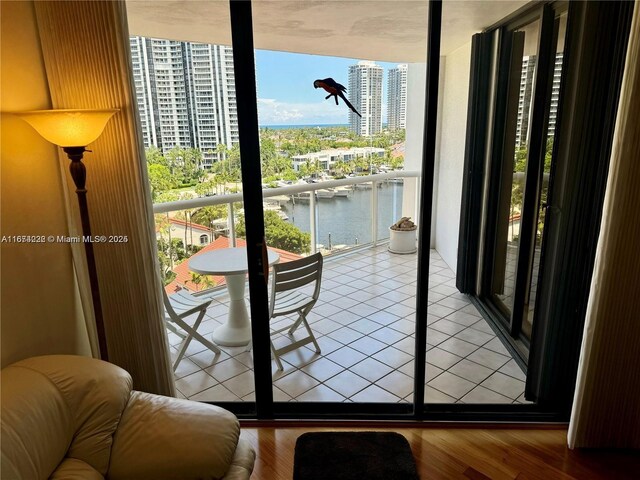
(213, 98)
(185, 94)
(555, 93)
(525, 98)
(365, 93)
(397, 97)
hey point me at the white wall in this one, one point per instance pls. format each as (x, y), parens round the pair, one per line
(40, 308)
(452, 133)
(416, 90)
(416, 81)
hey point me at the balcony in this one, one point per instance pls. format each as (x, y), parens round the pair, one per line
(364, 322)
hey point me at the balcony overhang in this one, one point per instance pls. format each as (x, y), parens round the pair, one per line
(383, 30)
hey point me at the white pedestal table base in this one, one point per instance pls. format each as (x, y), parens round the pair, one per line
(236, 331)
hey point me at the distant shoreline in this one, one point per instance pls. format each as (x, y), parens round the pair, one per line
(311, 125)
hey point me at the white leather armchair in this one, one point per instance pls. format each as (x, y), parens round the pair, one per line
(69, 417)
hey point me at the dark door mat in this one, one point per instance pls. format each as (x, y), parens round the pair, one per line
(353, 456)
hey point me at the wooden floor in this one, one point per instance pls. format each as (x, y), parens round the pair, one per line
(464, 453)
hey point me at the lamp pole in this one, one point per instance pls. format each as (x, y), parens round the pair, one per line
(79, 176)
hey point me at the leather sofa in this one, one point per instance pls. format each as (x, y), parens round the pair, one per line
(69, 417)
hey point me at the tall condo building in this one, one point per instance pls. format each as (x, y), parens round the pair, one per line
(186, 95)
(525, 97)
(365, 93)
(397, 97)
(555, 92)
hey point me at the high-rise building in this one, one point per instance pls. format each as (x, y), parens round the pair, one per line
(555, 93)
(186, 95)
(214, 97)
(397, 97)
(365, 93)
(524, 100)
(525, 96)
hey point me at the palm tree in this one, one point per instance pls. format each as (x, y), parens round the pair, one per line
(222, 151)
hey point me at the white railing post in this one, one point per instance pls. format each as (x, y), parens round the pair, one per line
(374, 213)
(231, 224)
(312, 221)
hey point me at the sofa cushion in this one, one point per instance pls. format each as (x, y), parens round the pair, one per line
(74, 469)
(168, 438)
(36, 425)
(95, 393)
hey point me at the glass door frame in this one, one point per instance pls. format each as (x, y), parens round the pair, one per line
(264, 408)
(592, 66)
(502, 148)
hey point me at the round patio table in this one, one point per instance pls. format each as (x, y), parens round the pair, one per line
(232, 263)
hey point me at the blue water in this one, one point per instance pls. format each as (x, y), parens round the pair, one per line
(348, 220)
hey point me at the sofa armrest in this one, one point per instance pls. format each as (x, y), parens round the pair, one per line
(167, 438)
(243, 461)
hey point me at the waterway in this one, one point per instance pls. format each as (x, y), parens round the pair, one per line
(347, 220)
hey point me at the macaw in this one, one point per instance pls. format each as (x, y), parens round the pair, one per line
(335, 90)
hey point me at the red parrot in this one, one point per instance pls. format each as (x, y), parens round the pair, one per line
(335, 90)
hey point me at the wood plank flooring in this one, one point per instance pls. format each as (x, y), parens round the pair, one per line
(464, 453)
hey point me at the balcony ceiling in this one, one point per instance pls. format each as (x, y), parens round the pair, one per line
(383, 30)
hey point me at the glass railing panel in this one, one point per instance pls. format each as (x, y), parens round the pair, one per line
(390, 195)
(344, 217)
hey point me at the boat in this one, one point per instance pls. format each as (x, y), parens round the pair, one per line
(325, 193)
(363, 186)
(342, 191)
(302, 196)
(322, 194)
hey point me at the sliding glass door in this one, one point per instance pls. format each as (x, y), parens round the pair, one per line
(530, 70)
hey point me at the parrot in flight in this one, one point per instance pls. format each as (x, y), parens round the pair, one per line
(335, 90)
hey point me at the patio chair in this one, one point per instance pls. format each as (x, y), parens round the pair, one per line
(289, 297)
(179, 306)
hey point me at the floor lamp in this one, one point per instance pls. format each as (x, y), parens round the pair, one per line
(73, 130)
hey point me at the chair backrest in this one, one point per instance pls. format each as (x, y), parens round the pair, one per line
(296, 274)
(167, 305)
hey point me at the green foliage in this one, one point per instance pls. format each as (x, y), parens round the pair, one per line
(159, 179)
(185, 165)
(206, 215)
(204, 280)
(177, 168)
(155, 157)
(279, 233)
(396, 162)
(517, 188)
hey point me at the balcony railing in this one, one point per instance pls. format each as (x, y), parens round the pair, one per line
(292, 190)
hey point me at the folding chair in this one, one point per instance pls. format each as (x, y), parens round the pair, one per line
(179, 306)
(288, 296)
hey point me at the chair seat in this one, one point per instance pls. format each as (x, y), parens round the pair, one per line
(290, 302)
(185, 304)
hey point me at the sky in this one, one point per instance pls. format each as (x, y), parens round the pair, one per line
(285, 88)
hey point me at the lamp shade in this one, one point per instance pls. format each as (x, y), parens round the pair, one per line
(68, 128)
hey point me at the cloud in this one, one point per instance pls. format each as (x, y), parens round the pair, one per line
(274, 112)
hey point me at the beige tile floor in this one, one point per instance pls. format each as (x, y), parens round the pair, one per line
(364, 323)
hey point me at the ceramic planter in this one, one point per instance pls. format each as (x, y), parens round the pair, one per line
(402, 241)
